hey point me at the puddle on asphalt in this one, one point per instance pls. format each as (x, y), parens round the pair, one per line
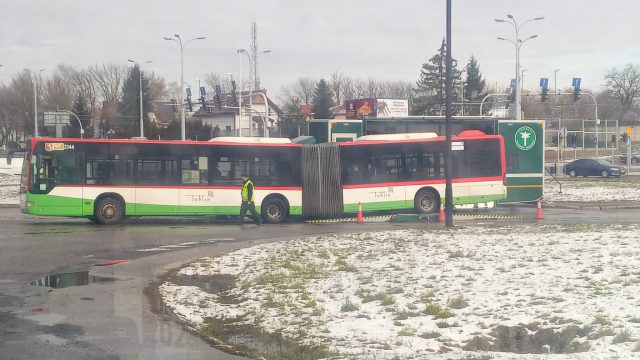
(80, 278)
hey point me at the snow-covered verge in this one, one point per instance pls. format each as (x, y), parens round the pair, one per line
(592, 190)
(440, 294)
(9, 181)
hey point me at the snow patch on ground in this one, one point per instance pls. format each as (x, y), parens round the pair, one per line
(587, 190)
(420, 293)
(10, 181)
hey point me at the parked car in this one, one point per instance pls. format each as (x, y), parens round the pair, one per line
(593, 167)
(635, 156)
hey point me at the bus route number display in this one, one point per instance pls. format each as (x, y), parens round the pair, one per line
(58, 146)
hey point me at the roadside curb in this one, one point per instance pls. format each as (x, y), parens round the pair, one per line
(7, 206)
(588, 206)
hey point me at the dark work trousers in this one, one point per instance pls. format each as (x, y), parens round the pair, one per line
(251, 207)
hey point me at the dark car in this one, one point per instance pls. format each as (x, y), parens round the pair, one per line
(593, 167)
(635, 156)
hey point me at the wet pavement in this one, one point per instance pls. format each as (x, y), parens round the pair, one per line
(56, 304)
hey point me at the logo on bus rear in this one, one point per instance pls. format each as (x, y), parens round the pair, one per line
(525, 138)
(58, 146)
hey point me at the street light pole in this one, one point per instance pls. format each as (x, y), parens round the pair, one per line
(34, 80)
(243, 51)
(181, 45)
(518, 44)
(140, 95)
(555, 77)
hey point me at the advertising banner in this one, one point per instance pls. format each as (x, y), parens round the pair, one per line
(386, 108)
(359, 108)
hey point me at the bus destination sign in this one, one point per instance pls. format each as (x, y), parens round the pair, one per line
(58, 146)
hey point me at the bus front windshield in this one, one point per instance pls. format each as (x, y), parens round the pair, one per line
(47, 171)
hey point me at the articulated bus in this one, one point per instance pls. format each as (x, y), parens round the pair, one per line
(107, 180)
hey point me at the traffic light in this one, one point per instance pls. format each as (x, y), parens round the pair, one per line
(189, 103)
(218, 100)
(202, 99)
(576, 89)
(235, 96)
(544, 84)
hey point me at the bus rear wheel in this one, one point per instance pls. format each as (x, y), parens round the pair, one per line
(274, 210)
(426, 202)
(109, 211)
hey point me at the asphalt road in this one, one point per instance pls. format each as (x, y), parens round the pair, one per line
(112, 319)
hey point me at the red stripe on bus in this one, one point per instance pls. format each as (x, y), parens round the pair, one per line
(422, 182)
(164, 142)
(434, 139)
(299, 188)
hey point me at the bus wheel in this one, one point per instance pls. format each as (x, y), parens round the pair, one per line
(426, 202)
(274, 210)
(109, 211)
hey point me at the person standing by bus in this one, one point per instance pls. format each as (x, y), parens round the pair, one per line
(248, 201)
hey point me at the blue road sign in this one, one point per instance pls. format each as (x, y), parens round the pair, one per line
(544, 82)
(513, 83)
(576, 82)
(202, 91)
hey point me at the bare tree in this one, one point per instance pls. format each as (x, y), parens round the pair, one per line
(58, 90)
(337, 84)
(84, 84)
(624, 86)
(157, 86)
(109, 79)
(303, 89)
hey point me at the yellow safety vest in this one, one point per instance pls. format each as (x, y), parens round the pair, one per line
(245, 191)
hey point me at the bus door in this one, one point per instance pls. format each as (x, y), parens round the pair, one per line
(524, 152)
(59, 176)
(156, 193)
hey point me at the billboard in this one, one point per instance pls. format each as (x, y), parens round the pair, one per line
(359, 108)
(387, 108)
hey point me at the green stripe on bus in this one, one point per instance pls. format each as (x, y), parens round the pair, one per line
(53, 205)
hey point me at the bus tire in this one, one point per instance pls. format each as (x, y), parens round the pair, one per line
(426, 201)
(109, 211)
(274, 209)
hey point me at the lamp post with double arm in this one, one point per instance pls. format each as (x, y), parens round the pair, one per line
(181, 45)
(517, 42)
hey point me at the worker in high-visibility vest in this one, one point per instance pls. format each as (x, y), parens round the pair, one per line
(248, 201)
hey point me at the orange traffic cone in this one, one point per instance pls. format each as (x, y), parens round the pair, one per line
(360, 218)
(441, 215)
(539, 210)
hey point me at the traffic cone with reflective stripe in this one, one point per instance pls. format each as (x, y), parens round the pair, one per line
(539, 210)
(360, 217)
(441, 215)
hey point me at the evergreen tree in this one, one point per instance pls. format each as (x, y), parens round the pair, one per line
(474, 88)
(430, 97)
(322, 100)
(81, 109)
(129, 124)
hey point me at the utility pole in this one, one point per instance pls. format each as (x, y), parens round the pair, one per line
(449, 156)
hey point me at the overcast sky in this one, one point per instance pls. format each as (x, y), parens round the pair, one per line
(368, 39)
